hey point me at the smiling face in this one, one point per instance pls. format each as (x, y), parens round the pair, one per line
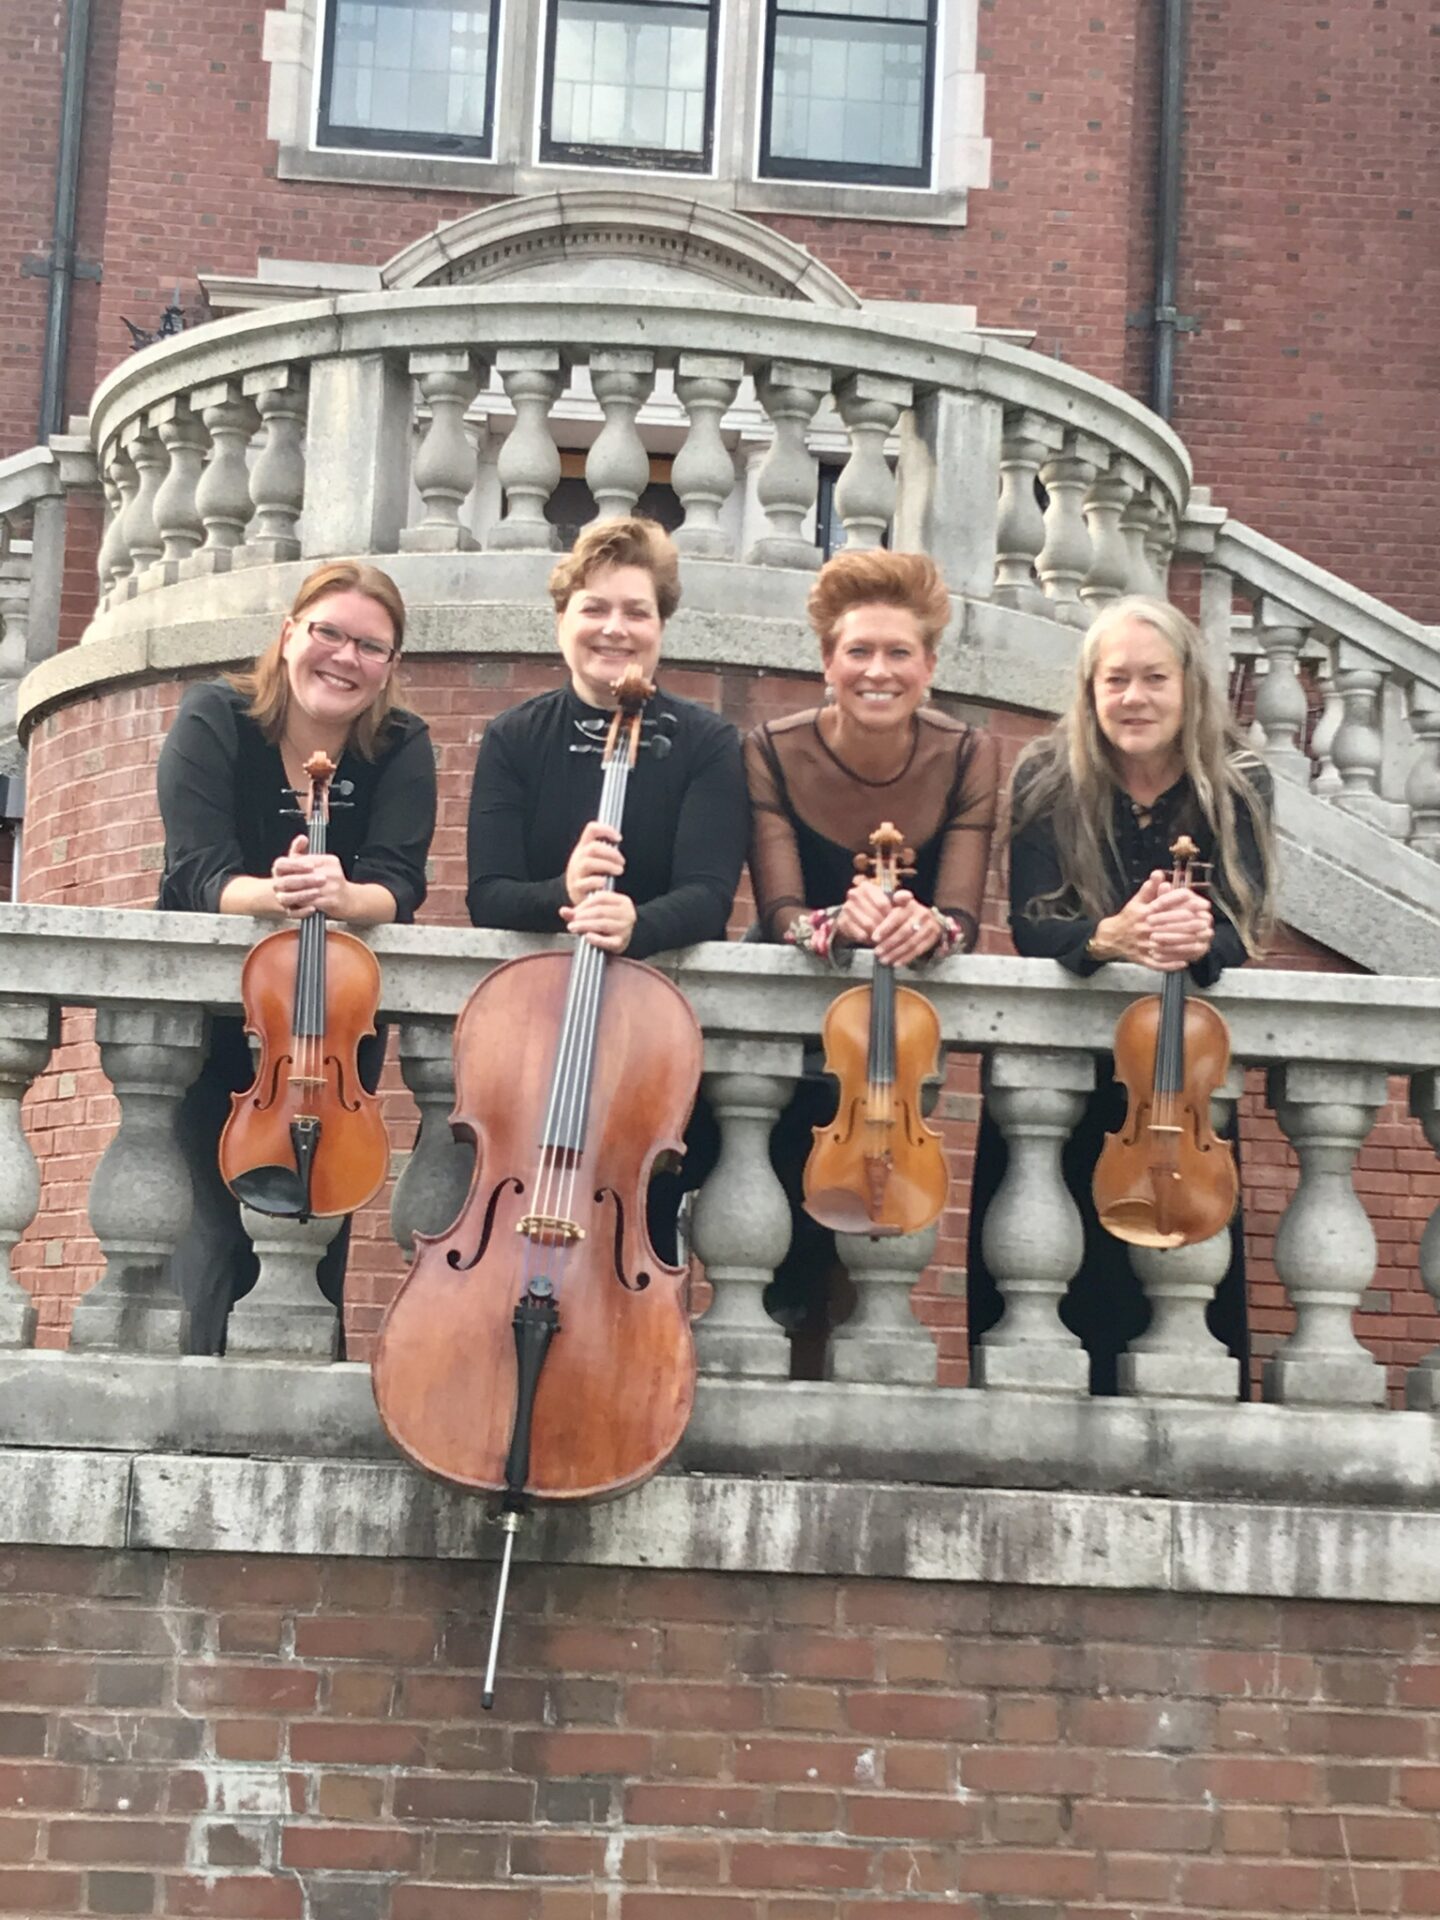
(879, 668)
(607, 625)
(1139, 694)
(330, 687)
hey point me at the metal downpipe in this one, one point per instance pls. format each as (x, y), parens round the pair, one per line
(62, 242)
(1167, 236)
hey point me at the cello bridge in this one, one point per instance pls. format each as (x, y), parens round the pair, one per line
(549, 1230)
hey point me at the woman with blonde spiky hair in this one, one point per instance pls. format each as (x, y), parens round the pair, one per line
(1146, 751)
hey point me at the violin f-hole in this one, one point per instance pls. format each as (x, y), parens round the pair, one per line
(452, 1256)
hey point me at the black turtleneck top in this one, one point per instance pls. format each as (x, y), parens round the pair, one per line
(537, 784)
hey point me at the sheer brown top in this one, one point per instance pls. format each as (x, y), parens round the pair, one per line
(811, 814)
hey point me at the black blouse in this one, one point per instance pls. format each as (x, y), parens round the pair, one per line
(1143, 836)
(537, 784)
(228, 808)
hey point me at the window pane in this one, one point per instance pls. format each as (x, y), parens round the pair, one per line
(849, 92)
(630, 73)
(411, 66)
(859, 9)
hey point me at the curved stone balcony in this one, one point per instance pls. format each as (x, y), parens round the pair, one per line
(429, 426)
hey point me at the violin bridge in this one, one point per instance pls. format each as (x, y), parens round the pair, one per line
(549, 1230)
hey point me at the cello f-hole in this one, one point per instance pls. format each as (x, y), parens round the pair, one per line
(452, 1256)
(642, 1279)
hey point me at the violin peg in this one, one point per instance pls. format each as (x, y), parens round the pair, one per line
(863, 863)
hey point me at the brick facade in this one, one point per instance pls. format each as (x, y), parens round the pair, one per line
(292, 1739)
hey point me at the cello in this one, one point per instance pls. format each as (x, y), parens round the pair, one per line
(539, 1349)
(878, 1169)
(1166, 1178)
(306, 1140)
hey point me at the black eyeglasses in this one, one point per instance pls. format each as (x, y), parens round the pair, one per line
(374, 652)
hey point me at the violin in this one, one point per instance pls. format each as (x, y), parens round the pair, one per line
(878, 1168)
(1166, 1179)
(539, 1349)
(306, 1140)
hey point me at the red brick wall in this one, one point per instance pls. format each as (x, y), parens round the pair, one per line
(284, 1739)
(1310, 175)
(87, 756)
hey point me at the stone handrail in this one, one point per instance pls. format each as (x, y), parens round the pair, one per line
(1374, 751)
(1328, 1043)
(427, 424)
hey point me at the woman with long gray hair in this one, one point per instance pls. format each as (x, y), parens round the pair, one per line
(1147, 750)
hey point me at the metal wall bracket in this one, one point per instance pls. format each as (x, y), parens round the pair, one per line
(35, 266)
(1162, 317)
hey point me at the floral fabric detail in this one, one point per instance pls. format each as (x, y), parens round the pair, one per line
(955, 937)
(815, 933)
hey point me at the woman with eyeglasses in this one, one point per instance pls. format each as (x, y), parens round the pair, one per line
(228, 778)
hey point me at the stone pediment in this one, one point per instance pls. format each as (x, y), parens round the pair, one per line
(601, 237)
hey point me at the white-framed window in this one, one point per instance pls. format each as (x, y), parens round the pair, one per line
(629, 82)
(848, 91)
(412, 76)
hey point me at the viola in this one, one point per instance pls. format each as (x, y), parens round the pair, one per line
(1166, 1179)
(306, 1139)
(539, 1349)
(878, 1168)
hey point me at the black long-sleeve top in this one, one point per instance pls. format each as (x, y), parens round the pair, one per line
(1143, 837)
(537, 784)
(227, 807)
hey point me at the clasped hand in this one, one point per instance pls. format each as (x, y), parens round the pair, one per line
(606, 918)
(306, 882)
(1162, 926)
(896, 925)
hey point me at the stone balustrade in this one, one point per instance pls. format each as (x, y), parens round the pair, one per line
(1327, 1043)
(428, 426)
(1373, 749)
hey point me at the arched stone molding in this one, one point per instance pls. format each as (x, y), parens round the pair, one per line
(608, 237)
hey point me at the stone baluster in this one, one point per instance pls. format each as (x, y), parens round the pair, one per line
(529, 466)
(1105, 508)
(277, 479)
(29, 1030)
(1422, 785)
(1064, 560)
(360, 426)
(786, 483)
(1422, 1383)
(127, 481)
(140, 1192)
(142, 535)
(445, 462)
(1177, 1357)
(1028, 440)
(1281, 708)
(882, 1340)
(703, 473)
(223, 495)
(113, 560)
(14, 623)
(617, 467)
(947, 500)
(176, 514)
(1137, 530)
(870, 404)
(1160, 539)
(1325, 1245)
(741, 1224)
(1358, 748)
(1217, 622)
(432, 1187)
(1033, 1237)
(285, 1316)
(1326, 780)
